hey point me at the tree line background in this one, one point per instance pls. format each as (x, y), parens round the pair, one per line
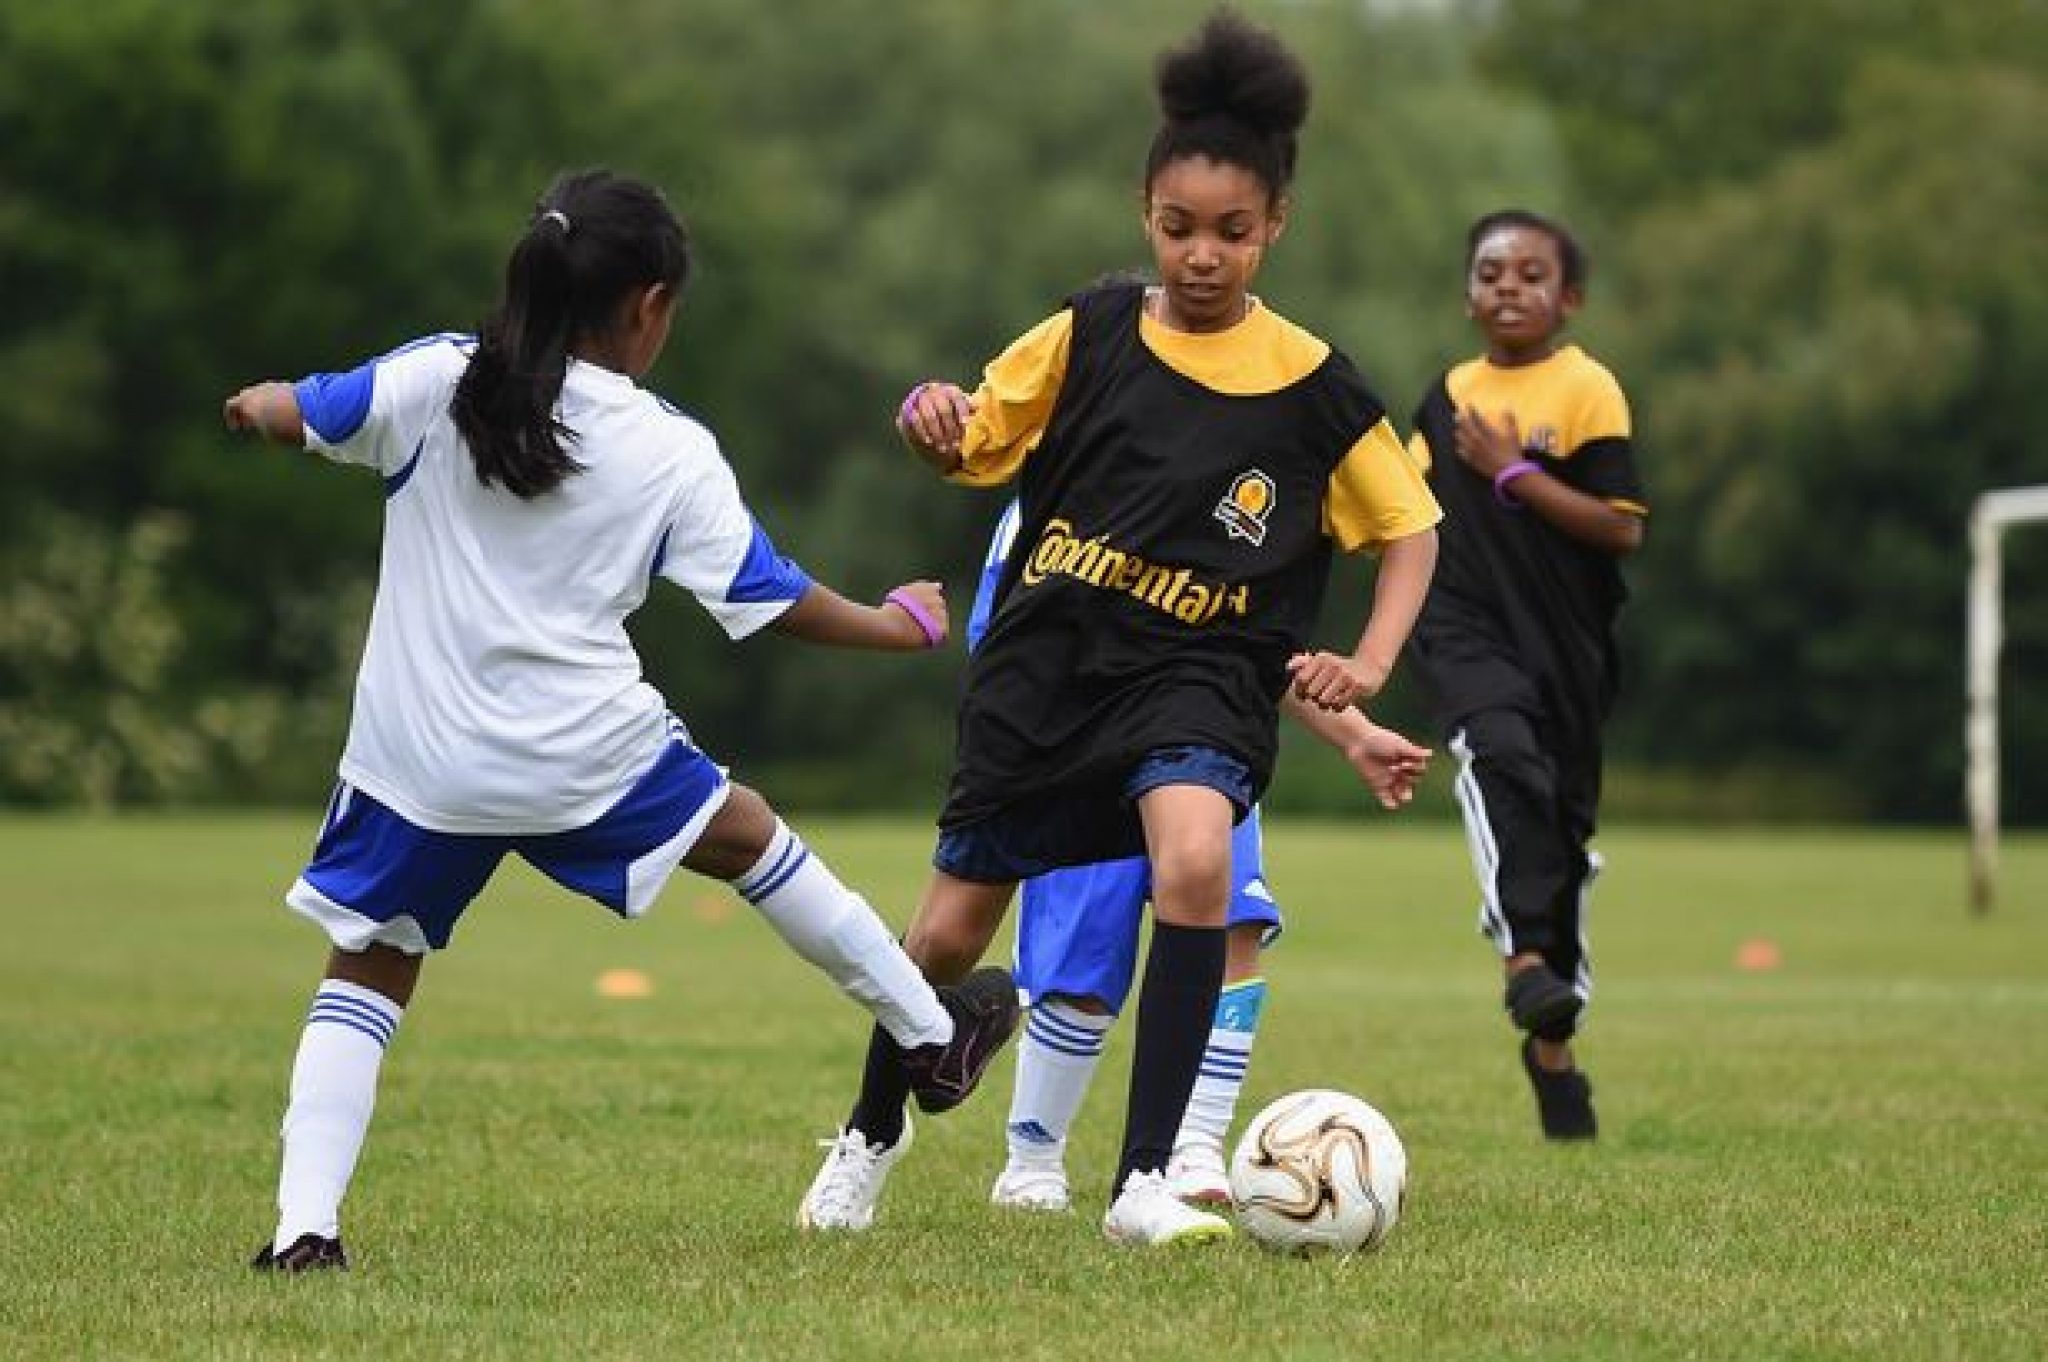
(1820, 268)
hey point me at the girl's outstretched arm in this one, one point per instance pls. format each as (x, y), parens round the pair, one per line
(1334, 680)
(911, 617)
(269, 409)
(1387, 762)
(982, 439)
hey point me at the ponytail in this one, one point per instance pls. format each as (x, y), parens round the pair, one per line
(594, 238)
(505, 404)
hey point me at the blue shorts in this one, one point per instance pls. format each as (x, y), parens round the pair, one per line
(377, 879)
(1079, 827)
(1077, 929)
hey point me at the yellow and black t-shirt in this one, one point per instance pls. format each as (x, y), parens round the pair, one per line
(1520, 615)
(1179, 495)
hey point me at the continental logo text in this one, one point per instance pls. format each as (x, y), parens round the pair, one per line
(1175, 591)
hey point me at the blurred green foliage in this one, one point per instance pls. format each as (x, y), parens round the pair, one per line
(1819, 271)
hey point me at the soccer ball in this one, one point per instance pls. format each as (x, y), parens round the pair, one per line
(1319, 1172)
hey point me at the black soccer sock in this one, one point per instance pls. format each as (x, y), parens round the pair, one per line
(1183, 976)
(884, 1088)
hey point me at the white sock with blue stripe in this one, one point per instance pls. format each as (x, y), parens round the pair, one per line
(1224, 1064)
(334, 1090)
(834, 928)
(1055, 1061)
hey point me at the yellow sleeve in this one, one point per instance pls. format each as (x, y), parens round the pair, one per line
(1014, 403)
(1602, 410)
(1377, 495)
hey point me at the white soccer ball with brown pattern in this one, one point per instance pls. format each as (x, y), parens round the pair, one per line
(1319, 1171)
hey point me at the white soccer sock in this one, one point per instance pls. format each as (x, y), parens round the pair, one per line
(1055, 1061)
(834, 928)
(334, 1090)
(1217, 1087)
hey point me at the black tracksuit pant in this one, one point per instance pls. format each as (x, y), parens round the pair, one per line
(1530, 801)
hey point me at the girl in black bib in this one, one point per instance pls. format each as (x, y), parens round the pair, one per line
(1185, 461)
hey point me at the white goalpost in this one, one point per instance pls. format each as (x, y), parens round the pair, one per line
(1992, 515)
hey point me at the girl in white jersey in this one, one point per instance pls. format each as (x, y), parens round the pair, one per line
(533, 491)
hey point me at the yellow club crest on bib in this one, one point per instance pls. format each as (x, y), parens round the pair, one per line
(1245, 506)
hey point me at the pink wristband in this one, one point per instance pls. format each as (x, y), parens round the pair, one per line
(926, 625)
(910, 400)
(1502, 479)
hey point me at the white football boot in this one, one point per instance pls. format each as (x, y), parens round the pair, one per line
(1197, 1175)
(1032, 1185)
(843, 1195)
(1147, 1212)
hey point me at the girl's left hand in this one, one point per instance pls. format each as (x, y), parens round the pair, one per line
(1485, 447)
(1333, 680)
(1389, 764)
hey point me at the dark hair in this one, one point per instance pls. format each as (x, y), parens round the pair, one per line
(1571, 257)
(594, 238)
(1234, 94)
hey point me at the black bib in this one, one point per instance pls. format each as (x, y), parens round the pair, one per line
(1170, 558)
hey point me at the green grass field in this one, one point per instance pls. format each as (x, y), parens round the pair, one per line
(1843, 1156)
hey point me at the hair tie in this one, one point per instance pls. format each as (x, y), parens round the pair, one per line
(933, 631)
(557, 215)
(1503, 491)
(910, 403)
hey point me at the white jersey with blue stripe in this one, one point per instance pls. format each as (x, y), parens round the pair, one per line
(992, 564)
(499, 692)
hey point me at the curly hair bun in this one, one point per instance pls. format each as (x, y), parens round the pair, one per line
(1234, 69)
